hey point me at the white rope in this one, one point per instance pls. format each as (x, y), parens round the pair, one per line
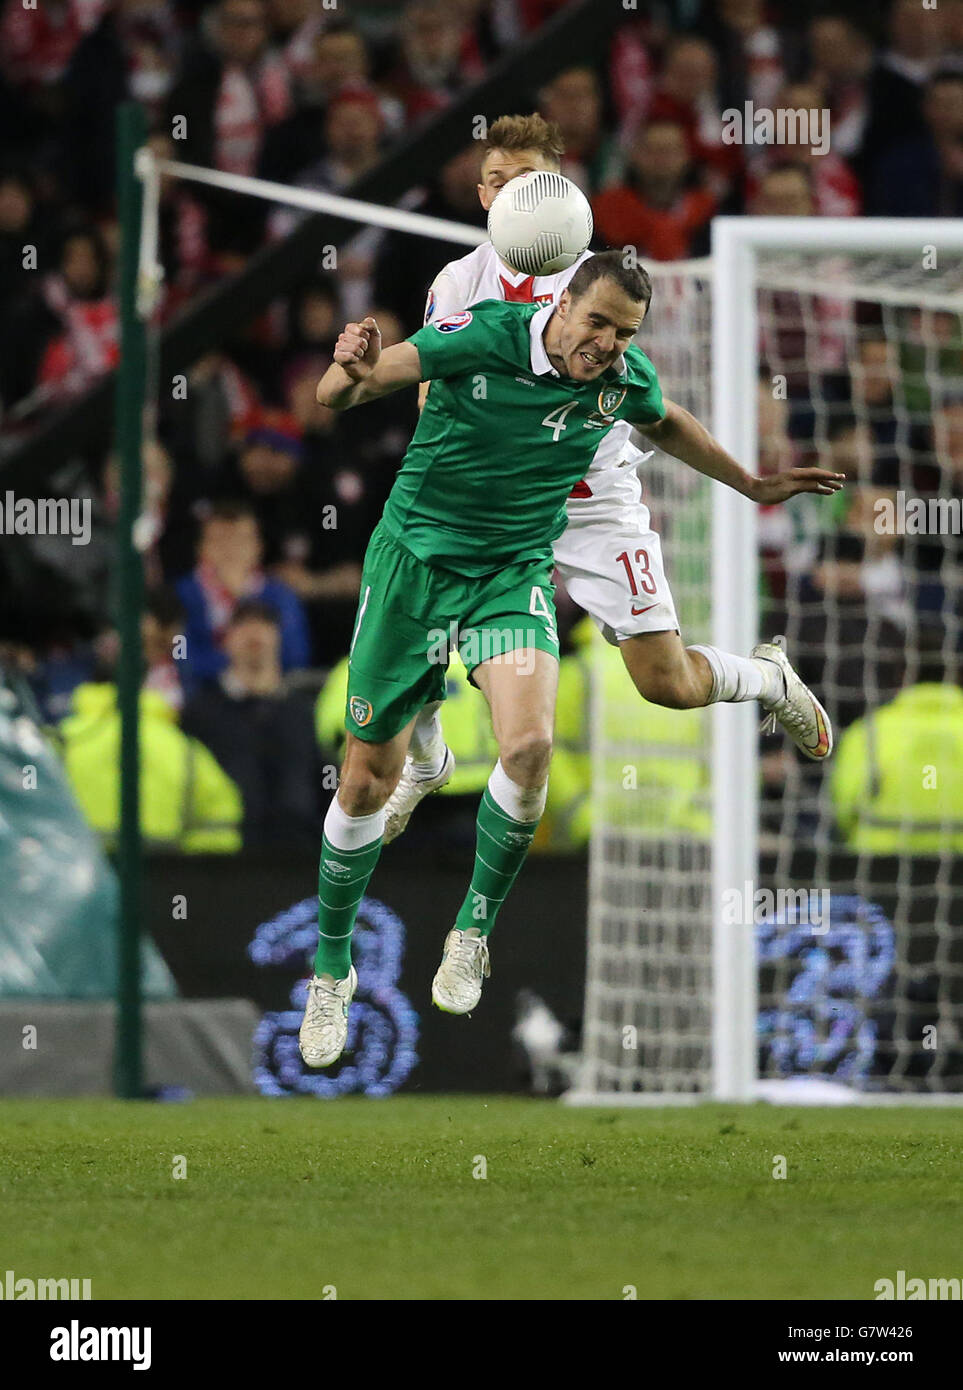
(373, 214)
(150, 272)
(700, 266)
(950, 297)
(150, 279)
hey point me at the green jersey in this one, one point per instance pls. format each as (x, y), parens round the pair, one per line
(503, 439)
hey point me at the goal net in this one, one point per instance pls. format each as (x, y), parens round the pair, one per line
(759, 925)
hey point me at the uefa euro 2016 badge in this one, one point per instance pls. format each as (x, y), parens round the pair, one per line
(610, 398)
(453, 322)
(360, 710)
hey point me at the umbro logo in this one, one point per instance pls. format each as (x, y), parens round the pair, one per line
(515, 837)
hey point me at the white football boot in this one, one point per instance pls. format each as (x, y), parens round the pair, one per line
(324, 1030)
(409, 791)
(457, 985)
(798, 711)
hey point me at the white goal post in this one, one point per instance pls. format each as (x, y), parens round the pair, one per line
(885, 263)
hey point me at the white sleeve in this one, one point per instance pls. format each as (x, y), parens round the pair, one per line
(445, 297)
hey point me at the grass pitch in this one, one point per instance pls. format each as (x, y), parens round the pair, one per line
(282, 1199)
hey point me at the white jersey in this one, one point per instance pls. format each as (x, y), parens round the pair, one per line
(482, 275)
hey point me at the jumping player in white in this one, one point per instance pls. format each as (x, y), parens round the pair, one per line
(608, 556)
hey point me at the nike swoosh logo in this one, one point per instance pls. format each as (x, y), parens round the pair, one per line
(637, 611)
(822, 743)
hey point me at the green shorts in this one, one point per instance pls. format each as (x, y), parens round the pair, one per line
(412, 615)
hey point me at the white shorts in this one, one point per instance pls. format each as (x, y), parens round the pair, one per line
(611, 560)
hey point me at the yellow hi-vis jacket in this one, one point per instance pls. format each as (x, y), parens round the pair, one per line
(653, 778)
(897, 777)
(187, 800)
(464, 717)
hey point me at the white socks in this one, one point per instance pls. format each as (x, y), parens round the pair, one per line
(352, 832)
(739, 678)
(521, 803)
(427, 746)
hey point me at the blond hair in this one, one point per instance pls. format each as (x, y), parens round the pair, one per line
(533, 132)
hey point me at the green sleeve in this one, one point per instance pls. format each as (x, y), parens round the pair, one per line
(644, 404)
(446, 351)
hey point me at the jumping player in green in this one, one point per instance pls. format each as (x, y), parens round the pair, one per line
(462, 558)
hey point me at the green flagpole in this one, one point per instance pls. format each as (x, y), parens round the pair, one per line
(129, 408)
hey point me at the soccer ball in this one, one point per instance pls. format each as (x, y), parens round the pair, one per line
(540, 223)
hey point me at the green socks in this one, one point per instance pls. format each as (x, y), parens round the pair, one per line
(508, 817)
(502, 845)
(342, 880)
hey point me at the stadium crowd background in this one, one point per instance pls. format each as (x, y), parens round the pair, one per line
(261, 502)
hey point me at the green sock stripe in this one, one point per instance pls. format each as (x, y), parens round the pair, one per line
(506, 842)
(338, 906)
(346, 882)
(489, 801)
(508, 872)
(348, 853)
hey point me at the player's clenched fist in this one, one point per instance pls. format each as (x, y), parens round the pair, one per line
(358, 348)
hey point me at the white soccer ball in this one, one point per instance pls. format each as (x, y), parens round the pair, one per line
(540, 223)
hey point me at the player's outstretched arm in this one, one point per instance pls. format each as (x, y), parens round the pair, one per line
(678, 433)
(361, 371)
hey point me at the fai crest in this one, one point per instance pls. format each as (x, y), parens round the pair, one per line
(610, 398)
(360, 710)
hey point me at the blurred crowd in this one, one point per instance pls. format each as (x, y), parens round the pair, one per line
(259, 502)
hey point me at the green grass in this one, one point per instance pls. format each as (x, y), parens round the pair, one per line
(282, 1198)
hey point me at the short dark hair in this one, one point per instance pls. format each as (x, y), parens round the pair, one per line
(230, 509)
(337, 28)
(78, 230)
(610, 265)
(944, 75)
(254, 609)
(164, 605)
(13, 172)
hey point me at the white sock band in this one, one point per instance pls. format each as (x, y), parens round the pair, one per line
(734, 678)
(352, 832)
(427, 746)
(521, 803)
